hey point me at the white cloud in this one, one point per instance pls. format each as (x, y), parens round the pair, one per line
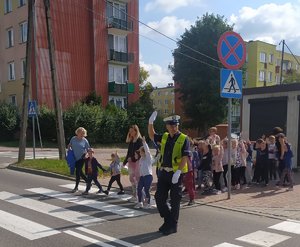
(270, 23)
(169, 6)
(169, 25)
(159, 76)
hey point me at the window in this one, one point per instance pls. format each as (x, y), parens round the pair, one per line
(172, 102)
(262, 57)
(117, 10)
(11, 71)
(166, 102)
(10, 37)
(23, 67)
(158, 102)
(158, 93)
(23, 31)
(277, 79)
(262, 75)
(22, 3)
(166, 93)
(117, 73)
(271, 58)
(166, 111)
(7, 6)
(118, 101)
(297, 66)
(13, 99)
(117, 43)
(269, 76)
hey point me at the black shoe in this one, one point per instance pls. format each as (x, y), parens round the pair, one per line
(105, 192)
(163, 227)
(74, 190)
(121, 192)
(170, 230)
(99, 191)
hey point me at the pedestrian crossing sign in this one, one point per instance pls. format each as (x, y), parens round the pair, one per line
(231, 83)
(32, 108)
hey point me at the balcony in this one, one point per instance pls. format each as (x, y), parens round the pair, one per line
(120, 89)
(121, 57)
(119, 26)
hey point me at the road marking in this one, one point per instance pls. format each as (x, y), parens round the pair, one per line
(106, 237)
(54, 211)
(227, 245)
(112, 194)
(88, 239)
(23, 227)
(264, 239)
(287, 226)
(103, 206)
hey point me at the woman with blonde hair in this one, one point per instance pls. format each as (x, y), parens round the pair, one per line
(134, 140)
(80, 145)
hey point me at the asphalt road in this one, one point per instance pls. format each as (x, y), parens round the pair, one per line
(41, 211)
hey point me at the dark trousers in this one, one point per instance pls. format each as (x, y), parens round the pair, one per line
(164, 186)
(144, 182)
(225, 168)
(216, 178)
(78, 172)
(91, 178)
(113, 179)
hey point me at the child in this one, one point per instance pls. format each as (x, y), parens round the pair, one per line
(188, 180)
(217, 167)
(225, 161)
(205, 168)
(115, 170)
(286, 159)
(91, 170)
(262, 161)
(272, 157)
(213, 138)
(145, 162)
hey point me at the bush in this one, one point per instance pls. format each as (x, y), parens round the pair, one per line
(9, 121)
(83, 115)
(47, 124)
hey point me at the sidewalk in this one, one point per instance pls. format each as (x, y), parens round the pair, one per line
(266, 201)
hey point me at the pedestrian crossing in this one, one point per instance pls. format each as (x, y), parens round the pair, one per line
(40, 201)
(29, 155)
(265, 238)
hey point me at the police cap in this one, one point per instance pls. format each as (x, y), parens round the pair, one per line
(172, 120)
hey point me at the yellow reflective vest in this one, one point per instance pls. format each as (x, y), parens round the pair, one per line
(176, 154)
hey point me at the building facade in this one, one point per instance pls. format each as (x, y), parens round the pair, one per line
(263, 65)
(96, 49)
(163, 100)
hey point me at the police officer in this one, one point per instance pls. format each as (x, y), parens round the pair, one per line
(174, 156)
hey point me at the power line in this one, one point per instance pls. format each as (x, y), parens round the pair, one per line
(292, 53)
(104, 17)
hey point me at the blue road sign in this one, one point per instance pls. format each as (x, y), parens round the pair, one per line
(231, 83)
(231, 50)
(32, 108)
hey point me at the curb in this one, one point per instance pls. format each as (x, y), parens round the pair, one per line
(39, 172)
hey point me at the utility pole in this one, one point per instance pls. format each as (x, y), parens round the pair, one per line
(57, 103)
(282, 55)
(24, 118)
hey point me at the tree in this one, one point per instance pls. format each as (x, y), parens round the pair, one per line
(291, 77)
(199, 78)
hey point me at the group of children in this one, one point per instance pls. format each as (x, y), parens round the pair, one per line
(251, 163)
(144, 158)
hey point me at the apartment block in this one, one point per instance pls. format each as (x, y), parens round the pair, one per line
(163, 100)
(263, 65)
(96, 49)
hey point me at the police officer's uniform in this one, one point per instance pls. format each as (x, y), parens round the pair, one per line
(172, 150)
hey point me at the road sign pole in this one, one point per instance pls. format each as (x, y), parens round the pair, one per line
(229, 149)
(33, 136)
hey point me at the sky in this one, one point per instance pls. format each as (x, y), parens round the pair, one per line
(269, 21)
